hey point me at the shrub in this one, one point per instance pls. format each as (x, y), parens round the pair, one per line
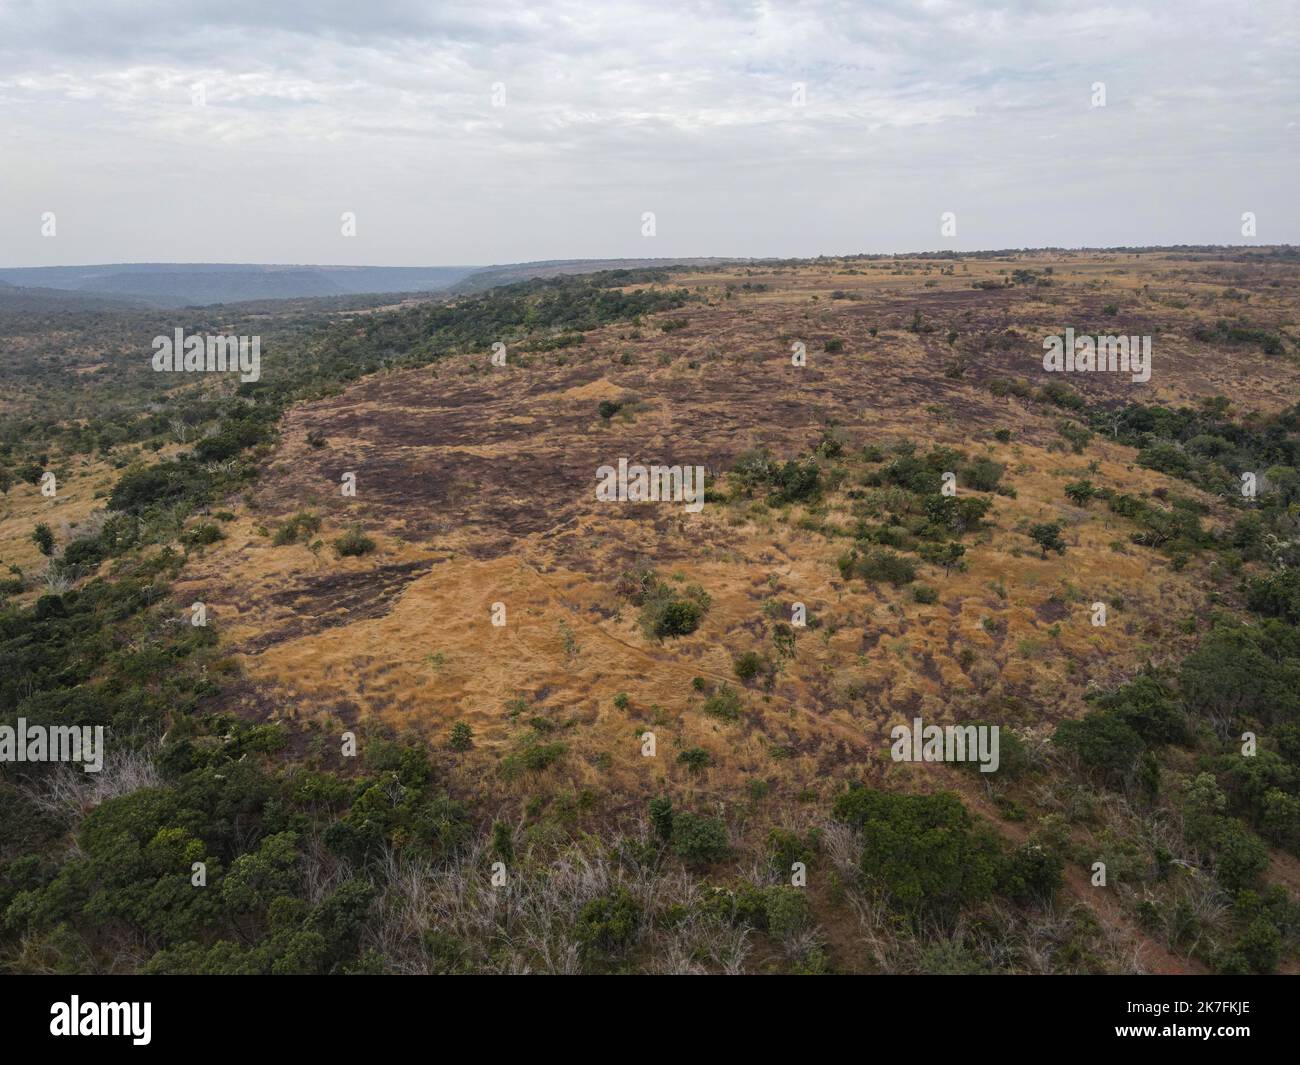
(673, 617)
(1260, 946)
(1148, 709)
(87, 551)
(354, 543)
(1080, 492)
(1275, 595)
(661, 816)
(302, 526)
(982, 475)
(202, 535)
(723, 703)
(786, 910)
(923, 850)
(664, 612)
(878, 564)
(699, 841)
(696, 759)
(43, 538)
(796, 482)
(947, 554)
(609, 924)
(1103, 743)
(748, 665)
(1030, 873)
(1061, 395)
(533, 758)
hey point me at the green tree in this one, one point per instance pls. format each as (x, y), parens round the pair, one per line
(1080, 492)
(1047, 535)
(924, 850)
(43, 538)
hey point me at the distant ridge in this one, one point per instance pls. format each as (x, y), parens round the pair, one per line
(199, 284)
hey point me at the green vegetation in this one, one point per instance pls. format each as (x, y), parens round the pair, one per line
(665, 612)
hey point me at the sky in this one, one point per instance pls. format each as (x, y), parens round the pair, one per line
(491, 132)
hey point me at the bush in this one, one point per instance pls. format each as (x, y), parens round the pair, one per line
(609, 924)
(947, 554)
(785, 910)
(302, 526)
(923, 850)
(878, 564)
(1148, 709)
(673, 617)
(1103, 743)
(696, 759)
(43, 538)
(203, 534)
(796, 482)
(1080, 492)
(354, 543)
(1276, 595)
(1030, 873)
(748, 665)
(533, 758)
(723, 703)
(982, 475)
(1260, 946)
(699, 841)
(661, 816)
(923, 593)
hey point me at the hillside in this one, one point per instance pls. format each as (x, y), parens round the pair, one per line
(827, 590)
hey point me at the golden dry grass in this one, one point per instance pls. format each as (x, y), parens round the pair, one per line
(477, 483)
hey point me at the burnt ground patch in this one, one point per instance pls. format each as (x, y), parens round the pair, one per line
(320, 602)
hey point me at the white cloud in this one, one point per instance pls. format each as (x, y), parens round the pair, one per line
(313, 108)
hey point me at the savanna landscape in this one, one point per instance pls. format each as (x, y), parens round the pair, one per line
(370, 648)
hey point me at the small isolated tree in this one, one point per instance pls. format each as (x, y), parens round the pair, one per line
(1080, 492)
(462, 737)
(1047, 535)
(661, 816)
(43, 538)
(748, 665)
(947, 554)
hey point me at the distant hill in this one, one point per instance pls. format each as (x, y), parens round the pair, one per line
(23, 298)
(490, 276)
(198, 284)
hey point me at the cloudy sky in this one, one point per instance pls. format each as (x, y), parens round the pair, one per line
(241, 130)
